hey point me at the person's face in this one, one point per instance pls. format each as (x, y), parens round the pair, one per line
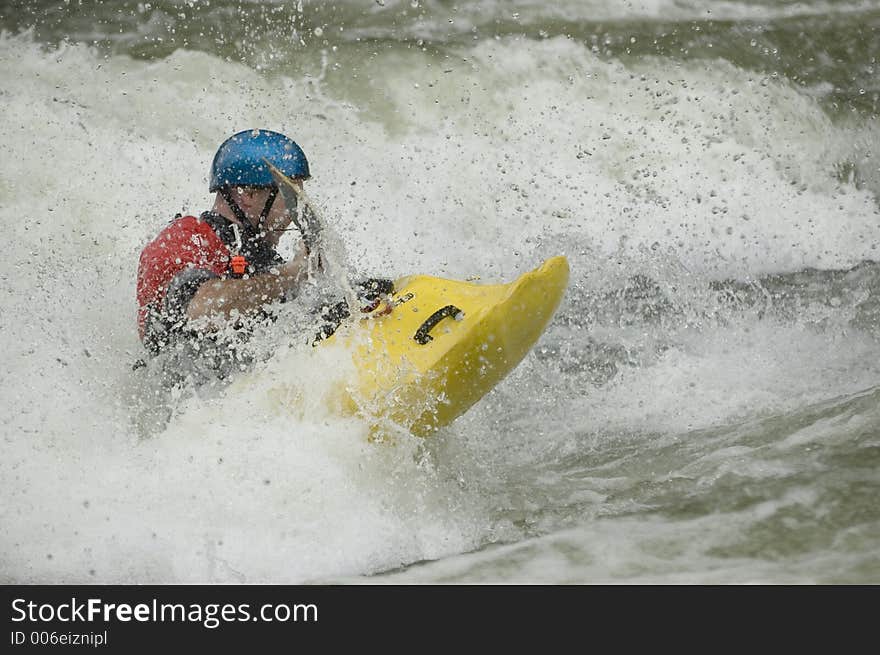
(253, 200)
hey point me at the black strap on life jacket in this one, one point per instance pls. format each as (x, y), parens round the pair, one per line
(254, 248)
(253, 239)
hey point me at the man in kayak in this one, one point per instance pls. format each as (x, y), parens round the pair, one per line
(203, 274)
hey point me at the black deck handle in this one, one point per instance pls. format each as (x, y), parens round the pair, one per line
(422, 335)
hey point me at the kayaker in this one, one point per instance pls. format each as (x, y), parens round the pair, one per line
(201, 274)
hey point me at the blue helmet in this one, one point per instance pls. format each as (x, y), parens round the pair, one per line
(239, 159)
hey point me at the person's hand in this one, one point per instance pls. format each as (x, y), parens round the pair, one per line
(296, 271)
(316, 261)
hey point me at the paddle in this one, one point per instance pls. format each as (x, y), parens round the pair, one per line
(305, 217)
(311, 226)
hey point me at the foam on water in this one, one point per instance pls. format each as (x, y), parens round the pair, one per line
(765, 503)
(524, 149)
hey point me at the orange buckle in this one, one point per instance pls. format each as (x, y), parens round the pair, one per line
(239, 265)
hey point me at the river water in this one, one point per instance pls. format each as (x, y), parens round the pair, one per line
(704, 407)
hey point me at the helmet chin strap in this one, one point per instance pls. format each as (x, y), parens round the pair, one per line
(251, 233)
(268, 206)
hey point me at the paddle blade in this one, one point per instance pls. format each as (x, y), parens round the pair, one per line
(304, 216)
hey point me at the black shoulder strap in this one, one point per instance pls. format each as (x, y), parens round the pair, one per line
(222, 226)
(260, 255)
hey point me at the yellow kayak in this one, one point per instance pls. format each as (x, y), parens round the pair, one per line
(433, 348)
(437, 346)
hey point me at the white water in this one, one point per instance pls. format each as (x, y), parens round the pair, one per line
(525, 150)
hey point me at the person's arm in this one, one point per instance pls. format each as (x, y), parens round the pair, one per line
(219, 298)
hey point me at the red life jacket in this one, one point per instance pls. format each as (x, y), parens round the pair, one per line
(186, 243)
